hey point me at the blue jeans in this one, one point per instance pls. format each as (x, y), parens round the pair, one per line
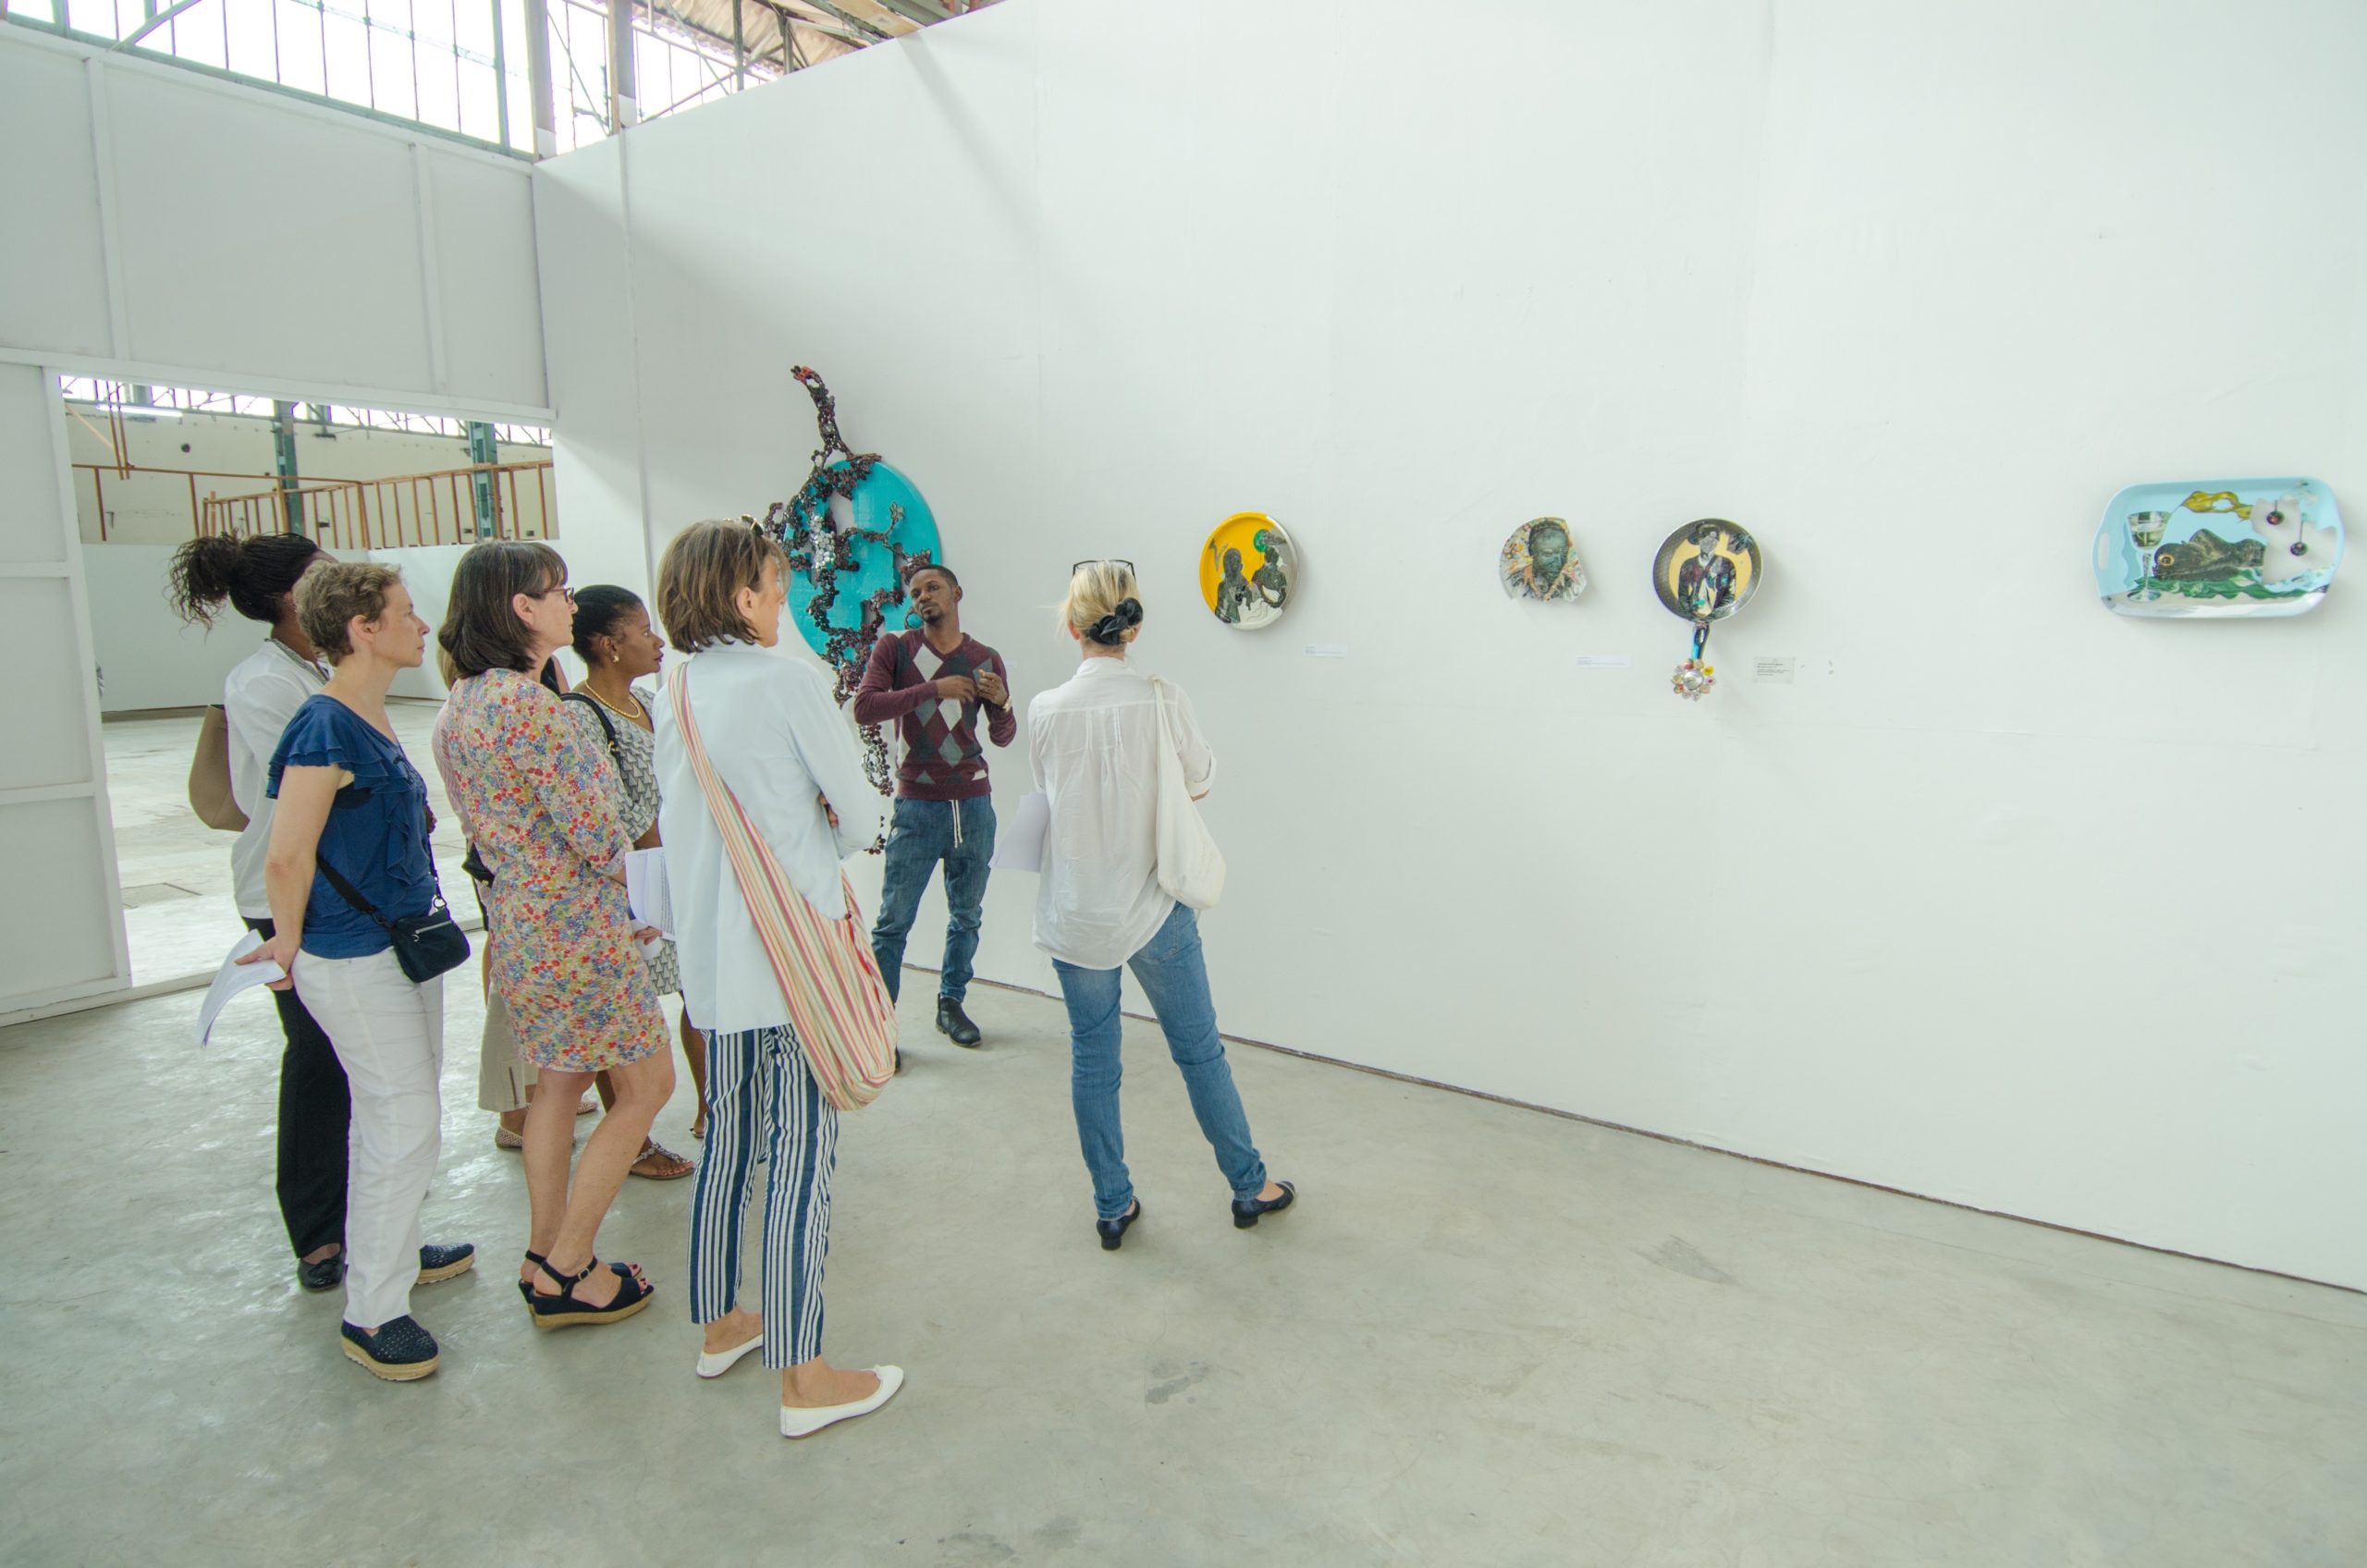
(924, 834)
(1175, 978)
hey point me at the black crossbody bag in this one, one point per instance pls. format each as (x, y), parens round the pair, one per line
(607, 725)
(425, 945)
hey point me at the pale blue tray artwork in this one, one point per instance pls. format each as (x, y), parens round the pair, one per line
(2216, 547)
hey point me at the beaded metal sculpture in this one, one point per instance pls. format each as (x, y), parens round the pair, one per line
(824, 557)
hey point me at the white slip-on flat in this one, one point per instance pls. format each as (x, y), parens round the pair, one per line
(716, 1364)
(804, 1420)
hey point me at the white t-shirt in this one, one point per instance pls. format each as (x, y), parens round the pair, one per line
(771, 723)
(1095, 745)
(259, 697)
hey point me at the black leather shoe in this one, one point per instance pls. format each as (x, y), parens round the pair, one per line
(955, 1023)
(1113, 1232)
(400, 1352)
(326, 1275)
(442, 1262)
(1248, 1211)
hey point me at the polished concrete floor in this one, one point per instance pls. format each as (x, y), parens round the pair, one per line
(1485, 1336)
(180, 914)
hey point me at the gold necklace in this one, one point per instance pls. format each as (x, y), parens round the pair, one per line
(639, 716)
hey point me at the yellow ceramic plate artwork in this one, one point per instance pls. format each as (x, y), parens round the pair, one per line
(1248, 570)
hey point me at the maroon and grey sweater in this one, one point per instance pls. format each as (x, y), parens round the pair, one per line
(942, 758)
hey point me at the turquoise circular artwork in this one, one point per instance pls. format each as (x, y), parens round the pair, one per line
(885, 504)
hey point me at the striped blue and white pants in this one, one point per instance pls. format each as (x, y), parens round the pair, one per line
(763, 1106)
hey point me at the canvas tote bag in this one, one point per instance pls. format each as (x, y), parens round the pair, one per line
(838, 1004)
(209, 774)
(1191, 868)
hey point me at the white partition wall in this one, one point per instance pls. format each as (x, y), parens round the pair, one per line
(1998, 898)
(167, 227)
(61, 926)
(175, 228)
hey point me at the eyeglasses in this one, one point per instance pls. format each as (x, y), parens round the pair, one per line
(562, 588)
(1111, 560)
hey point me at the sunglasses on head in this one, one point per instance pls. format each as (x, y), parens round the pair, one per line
(1100, 560)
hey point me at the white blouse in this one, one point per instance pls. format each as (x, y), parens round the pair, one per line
(771, 726)
(261, 694)
(1095, 746)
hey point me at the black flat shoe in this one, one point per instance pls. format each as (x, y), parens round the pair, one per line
(1113, 1232)
(1248, 1211)
(952, 1023)
(326, 1275)
(437, 1263)
(400, 1352)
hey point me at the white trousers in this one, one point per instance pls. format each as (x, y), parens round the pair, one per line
(389, 1035)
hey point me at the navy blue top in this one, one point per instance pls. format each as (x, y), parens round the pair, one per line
(376, 834)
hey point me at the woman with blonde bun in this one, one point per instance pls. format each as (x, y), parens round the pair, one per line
(1095, 744)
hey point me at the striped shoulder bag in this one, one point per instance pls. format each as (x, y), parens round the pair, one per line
(838, 1004)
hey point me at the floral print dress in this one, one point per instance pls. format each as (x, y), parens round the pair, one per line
(541, 807)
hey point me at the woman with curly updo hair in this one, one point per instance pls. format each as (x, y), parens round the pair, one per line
(257, 577)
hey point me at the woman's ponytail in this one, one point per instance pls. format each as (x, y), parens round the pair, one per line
(252, 574)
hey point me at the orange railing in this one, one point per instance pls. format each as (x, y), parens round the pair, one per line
(125, 473)
(411, 509)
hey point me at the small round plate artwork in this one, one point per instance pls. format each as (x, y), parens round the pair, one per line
(1540, 562)
(1248, 570)
(1707, 569)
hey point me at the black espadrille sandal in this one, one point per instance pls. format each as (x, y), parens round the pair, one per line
(439, 1262)
(526, 1292)
(399, 1350)
(563, 1311)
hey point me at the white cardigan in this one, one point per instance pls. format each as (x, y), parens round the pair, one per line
(772, 728)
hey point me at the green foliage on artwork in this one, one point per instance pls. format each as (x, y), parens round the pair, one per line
(2245, 586)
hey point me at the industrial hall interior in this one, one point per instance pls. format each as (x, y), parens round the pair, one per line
(1183, 782)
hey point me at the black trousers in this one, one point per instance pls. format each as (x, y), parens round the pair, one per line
(315, 1110)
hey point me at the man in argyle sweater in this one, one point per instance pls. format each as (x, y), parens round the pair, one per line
(932, 682)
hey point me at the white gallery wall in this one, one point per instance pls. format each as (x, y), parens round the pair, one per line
(148, 658)
(208, 234)
(61, 933)
(168, 227)
(2001, 899)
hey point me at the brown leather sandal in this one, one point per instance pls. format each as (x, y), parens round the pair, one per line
(659, 1163)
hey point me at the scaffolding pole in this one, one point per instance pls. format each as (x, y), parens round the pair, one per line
(484, 450)
(539, 78)
(624, 96)
(283, 464)
(500, 75)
